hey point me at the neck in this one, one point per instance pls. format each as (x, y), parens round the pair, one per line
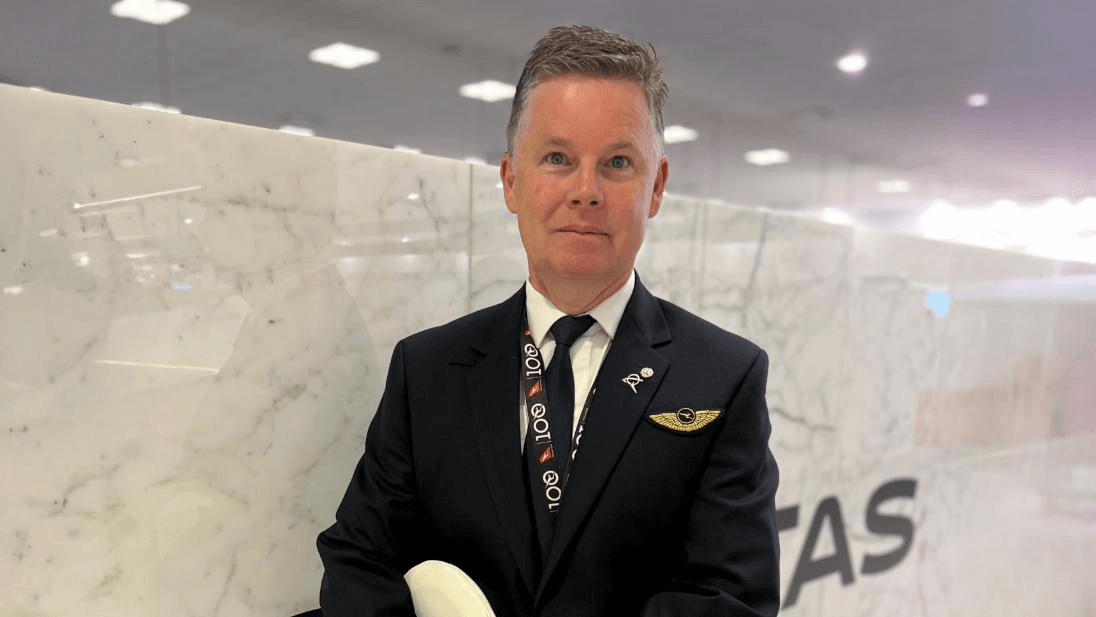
(576, 297)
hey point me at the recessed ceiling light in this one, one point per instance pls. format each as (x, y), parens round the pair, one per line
(770, 156)
(853, 62)
(81, 259)
(488, 90)
(157, 12)
(835, 216)
(891, 187)
(413, 196)
(978, 100)
(408, 149)
(157, 107)
(344, 56)
(675, 134)
(297, 130)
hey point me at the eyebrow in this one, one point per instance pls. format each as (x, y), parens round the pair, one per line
(620, 145)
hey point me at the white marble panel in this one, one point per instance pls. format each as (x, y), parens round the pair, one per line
(670, 259)
(498, 264)
(1010, 531)
(197, 319)
(782, 282)
(981, 407)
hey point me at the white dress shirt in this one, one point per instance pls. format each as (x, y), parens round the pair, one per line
(588, 351)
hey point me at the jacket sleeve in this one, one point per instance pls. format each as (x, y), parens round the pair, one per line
(731, 548)
(371, 545)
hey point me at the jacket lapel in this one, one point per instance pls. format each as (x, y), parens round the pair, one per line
(614, 413)
(493, 396)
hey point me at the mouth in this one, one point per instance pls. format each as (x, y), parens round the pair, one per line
(582, 231)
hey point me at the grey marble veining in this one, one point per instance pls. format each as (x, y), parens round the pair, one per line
(498, 265)
(671, 257)
(196, 320)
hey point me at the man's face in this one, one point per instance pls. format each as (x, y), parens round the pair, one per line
(585, 176)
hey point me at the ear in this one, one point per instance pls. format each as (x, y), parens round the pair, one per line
(661, 177)
(506, 174)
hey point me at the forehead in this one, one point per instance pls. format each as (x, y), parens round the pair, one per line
(579, 103)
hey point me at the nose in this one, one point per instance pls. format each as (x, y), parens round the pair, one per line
(586, 187)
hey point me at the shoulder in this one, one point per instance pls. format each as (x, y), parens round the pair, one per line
(469, 331)
(697, 337)
(704, 354)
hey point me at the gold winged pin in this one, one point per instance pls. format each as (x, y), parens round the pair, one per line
(685, 420)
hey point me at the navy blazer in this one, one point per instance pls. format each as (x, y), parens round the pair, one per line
(652, 523)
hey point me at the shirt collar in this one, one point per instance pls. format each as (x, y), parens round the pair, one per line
(541, 313)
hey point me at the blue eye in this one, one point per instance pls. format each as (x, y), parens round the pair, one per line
(618, 162)
(555, 158)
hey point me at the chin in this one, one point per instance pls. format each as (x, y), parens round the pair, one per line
(587, 274)
(577, 266)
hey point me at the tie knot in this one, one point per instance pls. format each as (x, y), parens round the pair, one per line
(567, 329)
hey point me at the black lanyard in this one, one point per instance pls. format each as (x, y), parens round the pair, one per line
(536, 405)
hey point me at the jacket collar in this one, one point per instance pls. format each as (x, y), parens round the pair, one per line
(615, 411)
(493, 397)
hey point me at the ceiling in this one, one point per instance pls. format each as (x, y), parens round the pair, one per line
(747, 74)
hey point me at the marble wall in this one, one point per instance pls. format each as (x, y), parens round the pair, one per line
(196, 319)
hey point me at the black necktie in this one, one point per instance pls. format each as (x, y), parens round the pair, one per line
(560, 382)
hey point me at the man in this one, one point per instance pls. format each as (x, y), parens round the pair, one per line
(656, 495)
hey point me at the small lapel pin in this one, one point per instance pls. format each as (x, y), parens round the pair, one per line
(634, 380)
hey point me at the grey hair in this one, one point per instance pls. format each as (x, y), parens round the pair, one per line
(591, 52)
